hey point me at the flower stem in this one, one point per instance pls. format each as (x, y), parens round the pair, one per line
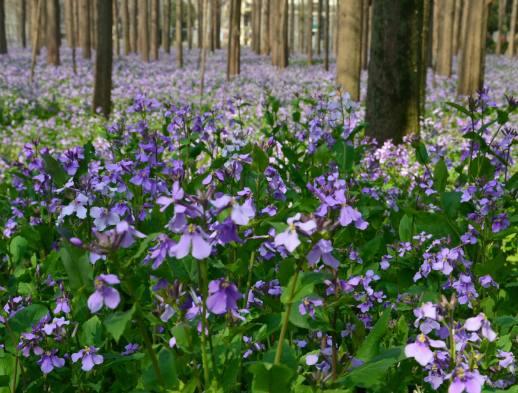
(202, 277)
(149, 348)
(286, 318)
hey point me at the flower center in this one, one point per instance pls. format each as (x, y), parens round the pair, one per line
(191, 228)
(421, 338)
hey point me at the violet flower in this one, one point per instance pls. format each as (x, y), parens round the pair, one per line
(104, 294)
(420, 349)
(323, 250)
(49, 360)
(89, 358)
(469, 381)
(192, 241)
(223, 296)
(290, 238)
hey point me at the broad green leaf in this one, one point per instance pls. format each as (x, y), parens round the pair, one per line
(270, 378)
(344, 154)
(117, 322)
(260, 158)
(440, 175)
(370, 346)
(167, 369)
(406, 228)
(55, 170)
(450, 202)
(18, 248)
(421, 153)
(91, 332)
(78, 267)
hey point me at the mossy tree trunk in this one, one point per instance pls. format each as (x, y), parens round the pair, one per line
(280, 50)
(512, 30)
(154, 30)
(103, 58)
(501, 22)
(265, 27)
(133, 25)
(126, 26)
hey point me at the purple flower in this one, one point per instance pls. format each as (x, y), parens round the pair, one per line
(77, 206)
(322, 250)
(177, 195)
(49, 361)
(223, 296)
(487, 281)
(311, 359)
(420, 349)
(481, 323)
(56, 327)
(130, 349)
(289, 238)
(194, 241)
(350, 215)
(104, 293)
(500, 222)
(62, 305)
(89, 358)
(307, 306)
(103, 217)
(240, 214)
(469, 381)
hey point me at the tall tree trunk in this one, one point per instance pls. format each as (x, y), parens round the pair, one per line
(217, 30)
(125, 27)
(234, 47)
(84, 28)
(133, 25)
(265, 27)
(365, 34)
(94, 20)
(72, 26)
(426, 50)
(435, 34)
(166, 25)
(189, 24)
(319, 27)
(470, 74)
(22, 22)
(445, 48)
(36, 20)
(326, 35)
(53, 32)
(143, 27)
(155, 29)
(501, 21)
(179, 46)
(309, 31)
(280, 49)
(3, 36)
(512, 30)
(206, 40)
(116, 31)
(103, 58)
(457, 20)
(302, 26)
(348, 61)
(200, 28)
(292, 26)
(394, 67)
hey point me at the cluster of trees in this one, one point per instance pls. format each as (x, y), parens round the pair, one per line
(395, 40)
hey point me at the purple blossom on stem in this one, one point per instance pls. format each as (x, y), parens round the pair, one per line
(420, 349)
(49, 361)
(104, 294)
(89, 358)
(322, 250)
(290, 238)
(223, 296)
(469, 381)
(192, 241)
(307, 306)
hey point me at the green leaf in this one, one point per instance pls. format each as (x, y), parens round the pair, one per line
(183, 334)
(421, 153)
(8, 365)
(271, 378)
(303, 286)
(344, 154)
(370, 346)
(406, 228)
(459, 108)
(373, 372)
(117, 322)
(55, 170)
(18, 247)
(440, 175)
(260, 158)
(450, 202)
(91, 332)
(78, 267)
(167, 368)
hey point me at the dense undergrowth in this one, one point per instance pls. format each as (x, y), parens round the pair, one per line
(254, 240)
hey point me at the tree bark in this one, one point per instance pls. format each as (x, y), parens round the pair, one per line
(72, 25)
(143, 33)
(512, 30)
(501, 21)
(133, 25)
(319, 27)
(126, 27)
(3, 36)
(472, 57)
(200, 23)
(36, 20)
(23, 19)
(234, 47)
(445, 38)
(155, 28)
(84, 28)
(166, 25)
(435, 34)
(457, 20)
(292, 26)
(217, 30)
(116, 31)
(206, 40)
(94, 20)
(302, 27)
(365, 34)
(280, 50)
(394, 69)
(189, 24)
(309, 31)
(179, 45)
(53, 32)
(326, 35)
(348, 61)
(265, 27)
(103, 58)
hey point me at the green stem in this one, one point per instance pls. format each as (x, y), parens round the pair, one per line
(149, 347)
(286, 318)
(249, 281)
(202, 277)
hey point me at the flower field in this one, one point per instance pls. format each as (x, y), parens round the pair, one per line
(251, 238)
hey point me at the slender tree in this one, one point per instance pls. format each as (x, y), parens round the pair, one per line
(393, 90)
(472, 57)
(445, 38)
(22, 22)
(36, 20)
(326, 34)
(133, 25)
(512, 29)
(265, 27)
(166, 25)
(84, 28)
(280, 50)
(302, 26)
(348, 60)
(103, 58)
(199, 28)
(435, 33)
(116, 30)
(457, 20)
(365, 33)
(53, 32)
(126, 26)
(309, 31)
(292, 26)
(72, 26)
(206, 39)
(143, 33)
(501, 22)
(155, 29)
(233, 59)
(189, 24)
(319, 27)
(217, 24)
(3, 36)
(179, 45)
(94, 20)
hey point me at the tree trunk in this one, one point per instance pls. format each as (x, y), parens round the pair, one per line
(22, 22)
(501, 22)
(53, 32)
(365, 34)
(143, 33)
(319, 27)
(84, 28)
(3, 37)
(94, 20)
(125, 27)
(348, 61)
(512, 30)
(189, 24)
(133, 25)
(200, 23)
(326, 35)
(292, 26)
(217, 30)
(36, 20)
(457, 20)
(472, 57)
(435, 35)
(103, 58)
(116, 32)
(179, 46)
(280, 50)
(155, 29)
(206, 40)
(309, 31)
(394, 69)
(234, 47)
(265, 27)
(72, 26)
(426, 43)
(166, 25)
(302, 27)
(445, 38)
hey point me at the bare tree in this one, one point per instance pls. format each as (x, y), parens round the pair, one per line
(84, 28)
(501, 21)
(53, 32)
(72, 26)
(155, 27)
(143, 33)
(36, 21)
(319, 27)
(445, 38)
(233, 59)
(280, 50)
(512, 29)
(22, 22)
(365, 34)
(126, 26)
(103, 58)
(348, 60)
(326, 35)
(309, 31)
(3, 36)
(302, 27)
(292, 26)
(189, 24)
(166, 25)
(133, 25)
(265, 27)
(457, 20)
(179, 45)
(200, 28)
(116, 30)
